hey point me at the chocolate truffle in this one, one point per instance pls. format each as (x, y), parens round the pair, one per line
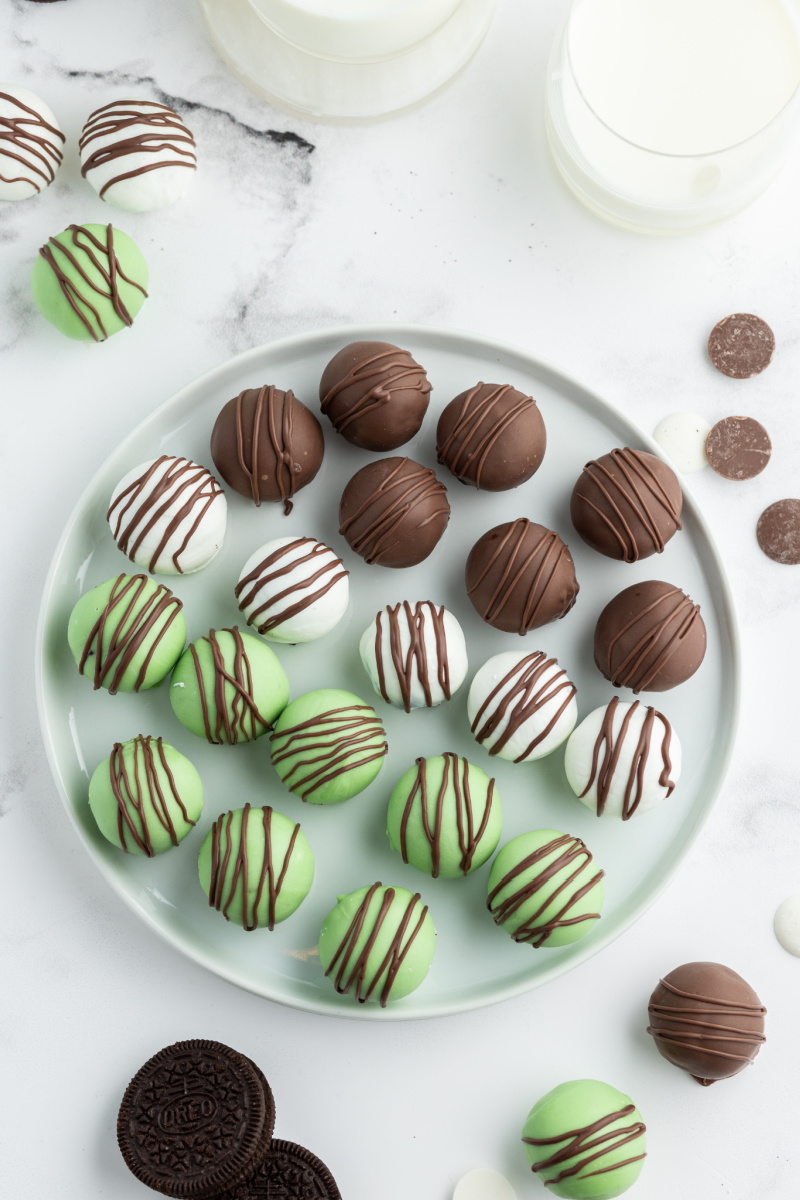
(415, 656)
(627, 504)
(649, 638)
(293, 590)
(267, 445)
(393, 512)
(521, 576)
(374, 394)
(137, 154)
(623, 759)
(31, 143)
(89, 281)
(168, 515)
(492, 437)
(705, 1019)
(521, 706)
(585, 1140)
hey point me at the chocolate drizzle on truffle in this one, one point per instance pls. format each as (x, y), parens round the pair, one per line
(327, 746)
(182, 486)
(133, 788)
(455, 774)
(596, 1137)
(374, 394)
(650, 637)
(491, 436)
(239, 718)
(393, 512)
(415, 660)
(286, 604)
(103, 259)
(222, 845)
(520, 576)
(627, 504)
(522, 693)
(353, 973)
(135, 623)
(611, 750)
(166, 131)
(267, 445)
(707, 1020)
(30, 140)
(570, 852)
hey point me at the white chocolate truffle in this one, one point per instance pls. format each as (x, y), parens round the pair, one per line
(624, 758)
(137, 155)
(415, 655)
(168, 515)
(293, 589)
(521, 706)
(31, 143)
(682, 436)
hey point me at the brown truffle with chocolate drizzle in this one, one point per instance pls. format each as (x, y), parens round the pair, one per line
(521, 576)
(649, 638)
(393, 512)
(375, 395)
(627, 504)
(705, 1019)
(491, 437)
(267, 445)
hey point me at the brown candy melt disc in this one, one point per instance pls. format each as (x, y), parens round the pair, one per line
(738, 448)
(287, 1170)
(195, 1120)
(778, 532)
(741, 345)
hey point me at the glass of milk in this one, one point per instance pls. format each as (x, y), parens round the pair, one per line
(347, 60)
(667, 115)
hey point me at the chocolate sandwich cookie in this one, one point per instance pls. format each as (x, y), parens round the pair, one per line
(287, 1170)
(196, 1120)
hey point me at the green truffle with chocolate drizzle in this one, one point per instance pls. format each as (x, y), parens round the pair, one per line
(585, 1140)
(256, 867)
(146, 796)
(545, 889)
(228, 687)
(328, 746)
(89, 281)
(127, 634)
(377, 943)
(445, 816)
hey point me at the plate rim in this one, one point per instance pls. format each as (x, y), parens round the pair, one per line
(449, 338)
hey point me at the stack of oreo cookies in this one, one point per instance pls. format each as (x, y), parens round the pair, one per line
(197, 1121)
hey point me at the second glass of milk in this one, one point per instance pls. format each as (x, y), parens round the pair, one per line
(666, 115)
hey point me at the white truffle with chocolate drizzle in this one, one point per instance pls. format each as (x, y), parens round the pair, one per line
(137, 154)
(521, 706)
(293, 589)
(168, 515)
(31, 143)
(623, 759)
(415, 654)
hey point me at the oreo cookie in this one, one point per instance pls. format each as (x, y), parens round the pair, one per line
(287, 1172)
(196, 1120)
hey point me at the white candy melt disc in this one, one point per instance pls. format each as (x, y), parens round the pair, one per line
(682, 436)
(484, 1184)
(787, 924)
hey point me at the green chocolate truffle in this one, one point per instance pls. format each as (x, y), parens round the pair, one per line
(89, 281)
(585, 1140)
(127, 634)
(328, 746)
(444, 816)
(146, 796)
(256, 867)
(545, 888)
(228, 687)
(377, 943)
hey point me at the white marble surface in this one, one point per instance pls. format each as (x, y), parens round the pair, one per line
(451, 216)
